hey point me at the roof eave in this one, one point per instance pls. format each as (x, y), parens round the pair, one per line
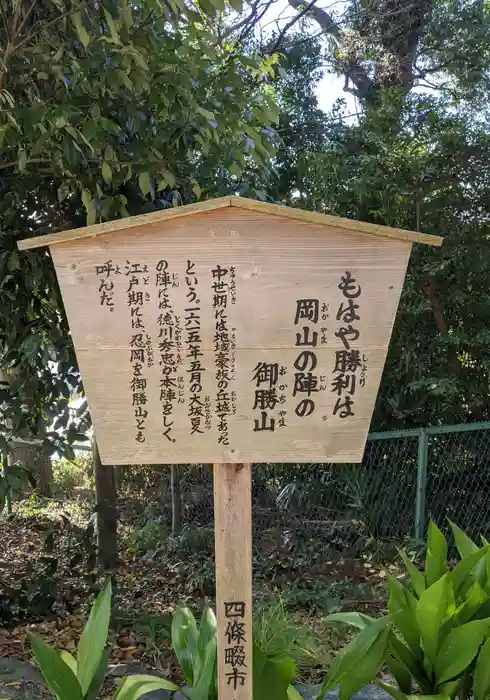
(221, 203)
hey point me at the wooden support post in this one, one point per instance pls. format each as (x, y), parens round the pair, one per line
(233, 546)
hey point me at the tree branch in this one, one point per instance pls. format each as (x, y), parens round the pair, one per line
(57, 19)
(26, 17)
(291, 23)
(247, 31)
(356, 73)
(243, 22)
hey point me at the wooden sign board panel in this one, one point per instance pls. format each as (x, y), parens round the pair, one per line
(231, 336)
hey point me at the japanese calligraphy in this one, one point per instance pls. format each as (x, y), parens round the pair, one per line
(169, 345)
(140, 351)
(105, 274)
(222, 351)
(348, 361)
(236, 637)
(306, 382)
(269, 394)
(197, 401)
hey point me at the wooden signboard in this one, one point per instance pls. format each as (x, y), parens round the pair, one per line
(231, 332)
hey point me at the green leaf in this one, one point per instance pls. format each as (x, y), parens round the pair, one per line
(184, 641)
(450, 688)
(396, 694)
(86, 198)
(476, 597)
(360, 662)
(411, 662)
(91, 213)
(286, 667)
(204, 676)
(3, 133)
(22, 160)
(354, 619)
(69, 660)
(460, 575)
(400, 673)
(112, 27)
(99, 678)
(58, 675)
(459, 649)
(464, 544)
(197, 190)
(206, 113)
(237, 5)
(481, 678)
(207, 629)
(270, 679)
(136, 686)
(401, 696)
(124, 79)
(76, 18)
(367, 667)
(169, 177)
(293, 693)
(235, 170)
(434, 606)
(144, 183)
(127, 15)
(94, 637)
(207, 7)
(436, 559)
(108, 125)
(106, 173)
(402, 605)
(206, 656)
(416, 577)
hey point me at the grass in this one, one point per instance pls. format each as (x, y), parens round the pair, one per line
(282, 632)
(68, 476)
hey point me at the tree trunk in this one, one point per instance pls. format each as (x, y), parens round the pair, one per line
(106, 497)
(8, 490)
(31, 456)
(176, 500)
(40, 465)
(43, 471)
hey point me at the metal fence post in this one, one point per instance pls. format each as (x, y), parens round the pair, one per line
(422, 460)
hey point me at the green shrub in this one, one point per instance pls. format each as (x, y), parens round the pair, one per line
(436, 637)
(150, 537)
(82, 677)
(196, 650)
(194, 540)
(70, 475)
(280, 632)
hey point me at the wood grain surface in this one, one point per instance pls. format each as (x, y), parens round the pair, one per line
(275, 263)
(233, 548)
(163, 216)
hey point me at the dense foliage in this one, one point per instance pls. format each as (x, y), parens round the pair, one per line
(114, 108)
(414, 155)
(107, 109)
(433, 177)
(435, 637)
(195, 647)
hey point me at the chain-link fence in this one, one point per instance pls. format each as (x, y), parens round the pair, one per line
(331, 511)
(405, 478)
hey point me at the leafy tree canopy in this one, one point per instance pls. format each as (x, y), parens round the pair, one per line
(107, 109)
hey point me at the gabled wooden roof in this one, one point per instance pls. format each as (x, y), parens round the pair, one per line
(221, 203)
